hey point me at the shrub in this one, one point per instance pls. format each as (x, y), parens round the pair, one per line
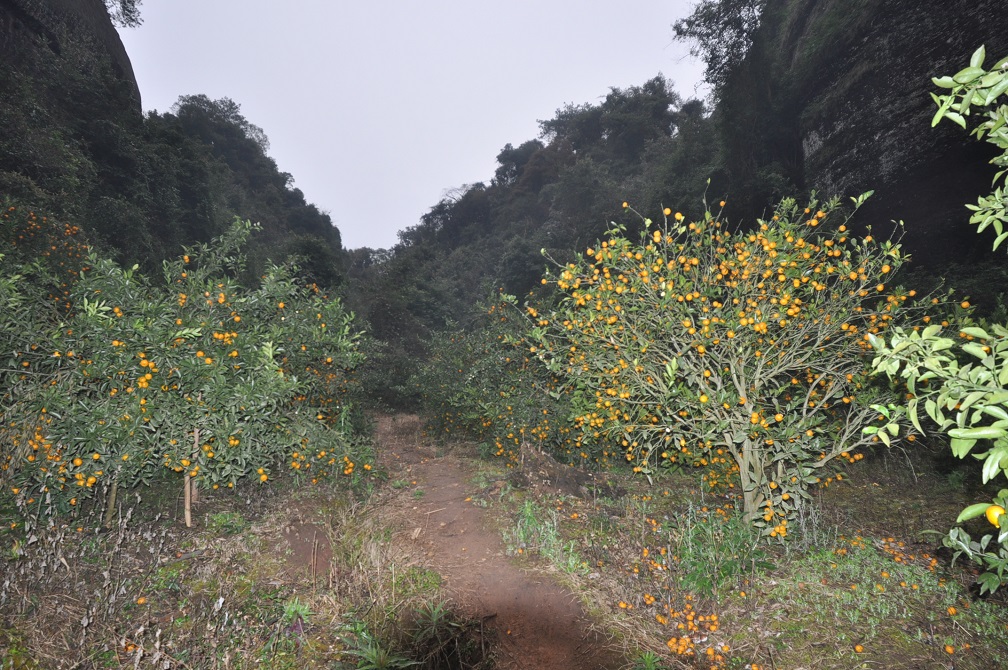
(743, 350)
(194, 374)
(482, 381)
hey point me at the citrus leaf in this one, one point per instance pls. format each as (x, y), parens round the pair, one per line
(972, 512)
(978, 57)
(961, 447)
(980, 433)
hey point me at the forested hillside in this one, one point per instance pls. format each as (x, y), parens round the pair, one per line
(557, 192)
(76, 147)
(808, 95)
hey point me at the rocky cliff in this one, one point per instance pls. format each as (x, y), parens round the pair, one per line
(848, 80)
(60, 24)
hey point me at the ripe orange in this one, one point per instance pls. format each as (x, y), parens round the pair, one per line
(993, 515)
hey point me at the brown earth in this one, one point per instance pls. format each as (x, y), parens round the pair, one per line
(539, 625)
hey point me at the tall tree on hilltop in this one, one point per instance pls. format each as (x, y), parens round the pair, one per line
(622, 126)
(720, 32)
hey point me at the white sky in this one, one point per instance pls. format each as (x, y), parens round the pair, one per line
(377, 107)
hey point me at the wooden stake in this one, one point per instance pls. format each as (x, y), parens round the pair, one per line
(189, 487)
(110, 505)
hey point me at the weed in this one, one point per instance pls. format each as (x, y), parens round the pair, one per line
(957, 479)
(295, 612)
(541, 536)
(227, 523)
(648, 660)
(370, 654)
(444, 640)
(713, 550)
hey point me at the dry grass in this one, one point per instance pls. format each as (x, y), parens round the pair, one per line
(833, 589)
(290, 580)
(281, 591)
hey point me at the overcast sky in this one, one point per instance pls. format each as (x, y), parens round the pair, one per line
(378, 107)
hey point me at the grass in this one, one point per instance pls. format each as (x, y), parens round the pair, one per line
(670, 570)
(231, 592)
(536, 532)
(675, 573)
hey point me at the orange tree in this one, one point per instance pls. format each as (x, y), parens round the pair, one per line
(195, 374)
(40, 258)
(739, 349)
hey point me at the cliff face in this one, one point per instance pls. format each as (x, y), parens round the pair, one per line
(850, 79)
(85, 24)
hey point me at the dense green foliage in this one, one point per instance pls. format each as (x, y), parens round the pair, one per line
(481, 380)
(117, 378)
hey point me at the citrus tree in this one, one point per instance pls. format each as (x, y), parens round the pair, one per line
(961, 381)
(741, 350)
(193, 374)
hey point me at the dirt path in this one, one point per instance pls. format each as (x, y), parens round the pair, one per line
(539, 624)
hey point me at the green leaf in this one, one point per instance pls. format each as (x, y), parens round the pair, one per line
(1000, 238)
(975, 349)
(977, 332)
(996, 412)
(978, 57)
(914, 418)
(961, 447)
(972, 512)
(989, 582)
(967, 74)
(944, 104)
(998, 90)
(992, 465)
(957, 118)
(943, 82)
(980, 433)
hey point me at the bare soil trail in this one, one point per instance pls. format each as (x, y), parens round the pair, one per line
(539, 625)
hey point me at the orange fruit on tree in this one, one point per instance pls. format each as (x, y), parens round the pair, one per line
(993, 514)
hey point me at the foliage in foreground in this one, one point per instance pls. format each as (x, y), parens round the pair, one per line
(963, 382)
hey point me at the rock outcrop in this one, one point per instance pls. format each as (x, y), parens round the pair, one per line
(59, 22)
(849, 81)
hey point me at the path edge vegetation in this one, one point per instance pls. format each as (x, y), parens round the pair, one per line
(959, 375)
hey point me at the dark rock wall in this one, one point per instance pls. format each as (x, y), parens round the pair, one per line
(853, 77)
(57, 21)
